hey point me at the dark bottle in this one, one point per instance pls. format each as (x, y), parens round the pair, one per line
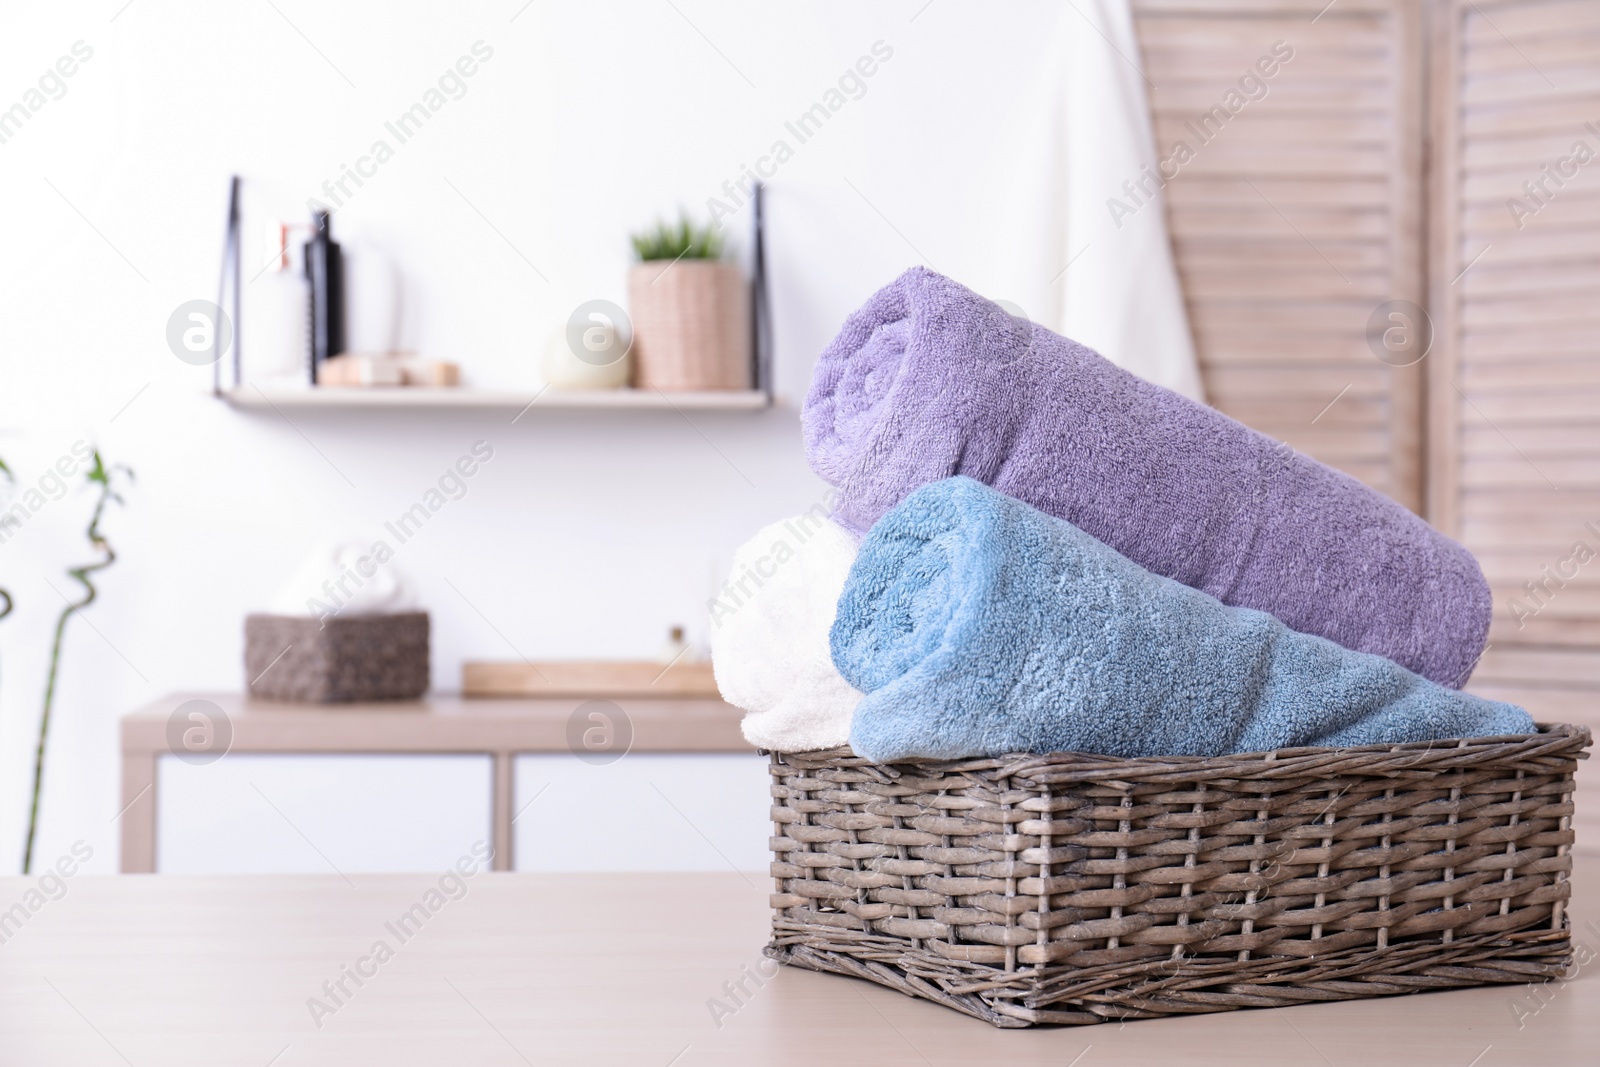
(325, 277)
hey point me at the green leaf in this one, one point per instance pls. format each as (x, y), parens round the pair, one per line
(682, 240)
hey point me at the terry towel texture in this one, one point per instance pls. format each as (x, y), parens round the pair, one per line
(769, 635)
(929, 380)
(977, 625)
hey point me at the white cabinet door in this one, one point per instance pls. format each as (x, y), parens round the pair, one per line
(249, 814)
(644, 812)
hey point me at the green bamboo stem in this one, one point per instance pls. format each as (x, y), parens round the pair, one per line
(102, 476)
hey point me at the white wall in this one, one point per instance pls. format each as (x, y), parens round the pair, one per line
(588, 533)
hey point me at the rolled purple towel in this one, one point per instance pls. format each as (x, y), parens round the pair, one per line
(929, 380)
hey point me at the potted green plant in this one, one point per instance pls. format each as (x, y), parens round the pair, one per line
(690, 311)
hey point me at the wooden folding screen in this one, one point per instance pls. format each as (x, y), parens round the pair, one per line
(1445, 153)
(1298, 215)
(1514, 385)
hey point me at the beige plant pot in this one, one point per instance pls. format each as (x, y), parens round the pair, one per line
(691, 325)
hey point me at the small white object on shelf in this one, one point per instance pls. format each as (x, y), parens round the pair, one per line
(599, 360)
(258, 398)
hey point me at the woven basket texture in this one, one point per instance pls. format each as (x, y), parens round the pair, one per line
(339, 659)
(1073, 889)
(691, 325)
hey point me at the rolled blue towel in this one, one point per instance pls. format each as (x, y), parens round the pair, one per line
(978, 626)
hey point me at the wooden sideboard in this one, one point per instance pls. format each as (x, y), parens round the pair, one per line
(502, 729)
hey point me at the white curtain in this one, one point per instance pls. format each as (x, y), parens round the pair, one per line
(1056, 231)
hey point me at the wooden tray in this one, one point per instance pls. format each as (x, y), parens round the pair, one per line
(587, 678)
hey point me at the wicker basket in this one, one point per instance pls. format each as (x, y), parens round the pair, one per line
(1079, 889)
(340, 659)
(691, 325)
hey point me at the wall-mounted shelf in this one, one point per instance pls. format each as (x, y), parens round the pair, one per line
(307, 397)
(253, 398)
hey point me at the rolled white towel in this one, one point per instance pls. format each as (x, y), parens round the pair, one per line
(769, 635)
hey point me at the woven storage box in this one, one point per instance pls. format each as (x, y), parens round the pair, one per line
(1078, 889)
(342, 658)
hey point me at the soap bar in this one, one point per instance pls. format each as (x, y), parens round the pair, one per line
(360, 370)
(436, 373)
(357, 369)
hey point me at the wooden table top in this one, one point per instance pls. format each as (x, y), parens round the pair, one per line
(442, 724)
(626, 969)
